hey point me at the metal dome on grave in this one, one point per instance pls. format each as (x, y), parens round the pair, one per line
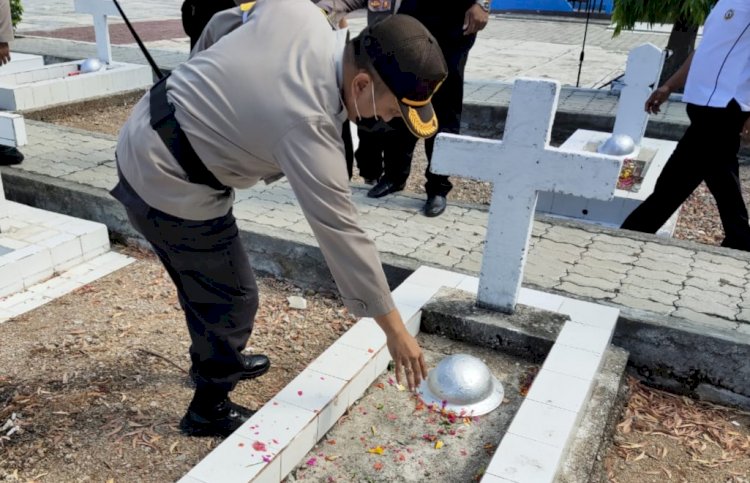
(463, 384)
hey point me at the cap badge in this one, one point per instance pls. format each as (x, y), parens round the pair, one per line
(729, 14)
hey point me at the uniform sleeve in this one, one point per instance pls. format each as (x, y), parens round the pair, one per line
(220, 24)
(338, 9)
(6, 24)
(312, 157)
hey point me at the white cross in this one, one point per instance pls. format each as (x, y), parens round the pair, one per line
(100, 9)
(641, 74)
(519, 166)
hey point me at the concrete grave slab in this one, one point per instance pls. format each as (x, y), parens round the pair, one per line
(611, 213)
(12, 130)
(44, 255)
(21, 63)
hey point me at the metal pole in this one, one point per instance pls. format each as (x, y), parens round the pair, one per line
(150, 59)
(583, 47)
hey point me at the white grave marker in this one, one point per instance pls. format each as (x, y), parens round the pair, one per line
(642, 71)
(99, 9)
(520, 166)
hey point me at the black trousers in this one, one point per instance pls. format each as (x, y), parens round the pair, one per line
(215, 285)
(197, 13)
(389, 154)
(707, 152)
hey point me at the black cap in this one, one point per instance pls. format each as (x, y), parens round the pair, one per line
(409, 60)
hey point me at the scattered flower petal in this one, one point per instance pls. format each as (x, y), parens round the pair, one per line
(378, 466)
(312, 462)
(438, 444)
(376, 450)
(259, 446)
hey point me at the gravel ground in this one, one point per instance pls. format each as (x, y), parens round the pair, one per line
(699, 219)
(95, 382)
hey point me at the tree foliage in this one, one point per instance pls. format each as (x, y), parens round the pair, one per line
(627, 12)
(16, 11)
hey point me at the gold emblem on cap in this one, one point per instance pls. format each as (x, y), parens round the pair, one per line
(421, 128)
(729, 14)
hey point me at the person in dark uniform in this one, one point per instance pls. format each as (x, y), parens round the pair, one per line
(385, 150)
(197, 13)
(9, 155)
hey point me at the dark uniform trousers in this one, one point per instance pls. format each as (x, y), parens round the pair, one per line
(707, 152)
(390, 153)
(215, 285)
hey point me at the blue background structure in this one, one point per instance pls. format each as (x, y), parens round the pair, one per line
(603, 6)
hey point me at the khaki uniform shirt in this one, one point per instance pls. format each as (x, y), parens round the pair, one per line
(6, 25)
(263, 100)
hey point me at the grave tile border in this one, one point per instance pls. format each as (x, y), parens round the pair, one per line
(410, 296)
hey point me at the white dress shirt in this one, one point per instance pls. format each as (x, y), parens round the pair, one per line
(720, 70)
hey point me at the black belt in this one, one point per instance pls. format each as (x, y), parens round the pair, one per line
(169, 130)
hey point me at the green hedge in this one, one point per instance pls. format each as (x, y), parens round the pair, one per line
(16, 11)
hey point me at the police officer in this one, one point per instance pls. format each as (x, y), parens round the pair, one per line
(233, 115)
(197, 13)
(8, 155)
(387, 149)
(716, 78)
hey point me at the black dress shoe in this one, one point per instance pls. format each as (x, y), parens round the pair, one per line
(221, 420)
(384, 187)
(255, 365)
(435, 206)
(10, 156)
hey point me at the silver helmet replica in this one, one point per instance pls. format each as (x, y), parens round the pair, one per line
(463, 384)
(617, 145)
(90, 65)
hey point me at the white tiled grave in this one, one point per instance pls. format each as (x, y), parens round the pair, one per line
(286, 428)
(21, 62)
(61, 83)
(34, 86)
(641, 75)
(655, 152)
(44, 255)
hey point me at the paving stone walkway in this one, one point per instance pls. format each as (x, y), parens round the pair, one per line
(702, 284)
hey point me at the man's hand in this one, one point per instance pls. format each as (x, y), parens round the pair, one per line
(657, 98)
(408, 355)
(745, 133)
(475, 19)
(4, 53)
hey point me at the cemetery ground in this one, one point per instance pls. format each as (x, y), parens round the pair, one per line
(106, 386)
(97, 383)
(699, 218)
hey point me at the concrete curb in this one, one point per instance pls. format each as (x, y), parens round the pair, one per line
(488, 120)
(663, 348)
(585, 459)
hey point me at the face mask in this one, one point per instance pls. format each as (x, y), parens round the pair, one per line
(371, 124)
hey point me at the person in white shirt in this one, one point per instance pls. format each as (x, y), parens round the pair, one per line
(716, 78)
